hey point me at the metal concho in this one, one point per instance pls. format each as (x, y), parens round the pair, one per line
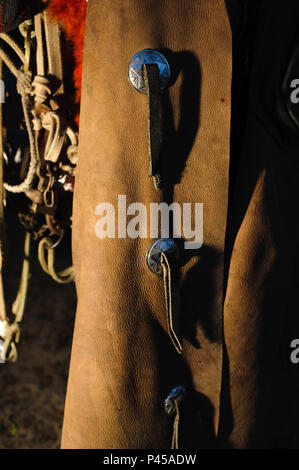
(176, 394)
(160, 246)
(147, 56)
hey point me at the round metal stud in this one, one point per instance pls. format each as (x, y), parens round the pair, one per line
(160, 246)
(147, 56)
(175, 395)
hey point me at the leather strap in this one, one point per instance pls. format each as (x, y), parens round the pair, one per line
(40, 57)
(52, 64)
(52, 33)
(152, 82)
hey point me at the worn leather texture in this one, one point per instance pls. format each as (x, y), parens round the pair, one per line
(123, 363)
(239, 301)
(260, 386)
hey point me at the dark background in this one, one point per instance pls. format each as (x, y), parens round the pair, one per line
(32, 391)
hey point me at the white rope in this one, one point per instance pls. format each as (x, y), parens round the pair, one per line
(24, 87)
(41, 87)
(11, 42)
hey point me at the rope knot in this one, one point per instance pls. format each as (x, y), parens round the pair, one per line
(41, 89)
(24, 82)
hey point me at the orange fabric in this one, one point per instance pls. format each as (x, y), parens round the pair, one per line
(72, 14)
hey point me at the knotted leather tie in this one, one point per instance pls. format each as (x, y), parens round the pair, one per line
(171, 290)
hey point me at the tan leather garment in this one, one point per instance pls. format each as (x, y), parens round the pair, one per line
(123, 363)
(260, 406)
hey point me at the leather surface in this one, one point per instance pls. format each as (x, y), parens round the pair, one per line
(242, 387)
(123, 363)
(259, 406)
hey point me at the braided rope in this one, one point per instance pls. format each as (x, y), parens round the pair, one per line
(11, 42)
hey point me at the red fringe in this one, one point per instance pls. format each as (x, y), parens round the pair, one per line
(72, 15)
